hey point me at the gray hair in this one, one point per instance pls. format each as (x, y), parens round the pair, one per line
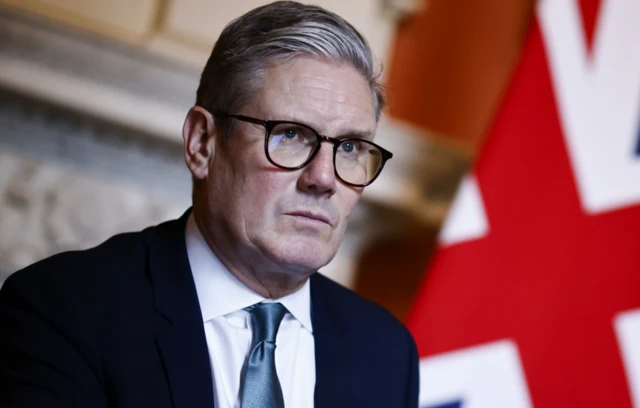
(277, 33)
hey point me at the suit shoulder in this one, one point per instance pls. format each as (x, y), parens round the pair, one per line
(73, 266)
(369, 315)
(84, 278)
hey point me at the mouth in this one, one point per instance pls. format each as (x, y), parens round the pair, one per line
(310, 216)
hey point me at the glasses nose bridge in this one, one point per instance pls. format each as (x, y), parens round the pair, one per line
(323, 138)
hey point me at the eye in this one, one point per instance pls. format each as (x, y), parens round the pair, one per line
(290, 133)
(349, 147)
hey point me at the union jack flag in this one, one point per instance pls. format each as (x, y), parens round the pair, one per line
(533, 298)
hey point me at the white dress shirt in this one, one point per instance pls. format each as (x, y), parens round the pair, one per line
(227, 328)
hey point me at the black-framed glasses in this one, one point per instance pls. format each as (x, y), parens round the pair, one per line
(291, 146)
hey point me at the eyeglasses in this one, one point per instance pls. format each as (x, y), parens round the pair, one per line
(291, 146)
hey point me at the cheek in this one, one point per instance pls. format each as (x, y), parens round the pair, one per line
(240, 178)
(346, 203)
(349, 199)
(261, 196)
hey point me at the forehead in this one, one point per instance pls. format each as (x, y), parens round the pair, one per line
(328, 96)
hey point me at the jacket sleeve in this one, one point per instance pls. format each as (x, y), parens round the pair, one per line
(39, 364)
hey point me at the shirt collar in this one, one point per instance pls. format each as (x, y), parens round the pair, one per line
(220, 293)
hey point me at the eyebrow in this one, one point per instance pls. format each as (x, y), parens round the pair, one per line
(350, 133)
(345, 134)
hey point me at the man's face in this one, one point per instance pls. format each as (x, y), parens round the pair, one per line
(295, 218)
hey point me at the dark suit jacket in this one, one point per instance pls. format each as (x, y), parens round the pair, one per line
(119, 325)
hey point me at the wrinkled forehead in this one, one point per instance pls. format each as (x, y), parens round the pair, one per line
(325, 95)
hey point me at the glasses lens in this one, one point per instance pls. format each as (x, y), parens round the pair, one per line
(290, 145)
(358, 161)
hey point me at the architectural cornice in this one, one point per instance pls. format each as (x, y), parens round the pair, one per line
(120, 83)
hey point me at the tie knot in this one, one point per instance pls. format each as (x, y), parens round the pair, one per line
(265, 319)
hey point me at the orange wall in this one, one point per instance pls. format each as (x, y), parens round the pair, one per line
(451, 62)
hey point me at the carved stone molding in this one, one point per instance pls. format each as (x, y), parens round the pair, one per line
(123, 84)
(69, 181)
(401, 9)
(47, 208)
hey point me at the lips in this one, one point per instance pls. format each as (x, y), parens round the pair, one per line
(313, 215)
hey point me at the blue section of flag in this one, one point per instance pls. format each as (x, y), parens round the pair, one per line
(638, 142)
(453, 404)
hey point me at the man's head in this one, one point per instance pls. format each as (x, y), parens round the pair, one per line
(274, 34)
(273, 227)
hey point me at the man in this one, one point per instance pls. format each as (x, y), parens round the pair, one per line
(189, 313)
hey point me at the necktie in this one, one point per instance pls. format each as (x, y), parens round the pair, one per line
(260, 386)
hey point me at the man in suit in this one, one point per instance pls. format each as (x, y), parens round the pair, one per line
(224, 307)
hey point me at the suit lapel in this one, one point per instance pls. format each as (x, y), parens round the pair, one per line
(183, 346)
(333, 372)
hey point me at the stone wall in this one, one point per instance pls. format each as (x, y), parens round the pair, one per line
(69, 181)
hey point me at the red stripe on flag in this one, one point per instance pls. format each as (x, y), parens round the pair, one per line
(589, 12)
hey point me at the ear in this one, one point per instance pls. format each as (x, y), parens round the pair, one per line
(199, 137)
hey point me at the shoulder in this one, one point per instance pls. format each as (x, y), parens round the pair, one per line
(75, 268)
(81, 282)
(359, 314)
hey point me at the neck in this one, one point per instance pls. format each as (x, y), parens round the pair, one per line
(269, 279)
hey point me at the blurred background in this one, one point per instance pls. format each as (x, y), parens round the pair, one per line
(505, 231)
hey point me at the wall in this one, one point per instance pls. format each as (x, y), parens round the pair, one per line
(185, 30)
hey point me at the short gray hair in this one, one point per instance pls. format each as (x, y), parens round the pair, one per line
(277, 33)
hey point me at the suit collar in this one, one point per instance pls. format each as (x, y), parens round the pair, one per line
(169, 268)
(324, 311)
(183, 346)
(333, 382)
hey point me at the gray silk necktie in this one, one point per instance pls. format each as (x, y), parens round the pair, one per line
(260, 385)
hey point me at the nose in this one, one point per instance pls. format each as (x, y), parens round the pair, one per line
(319, 177)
